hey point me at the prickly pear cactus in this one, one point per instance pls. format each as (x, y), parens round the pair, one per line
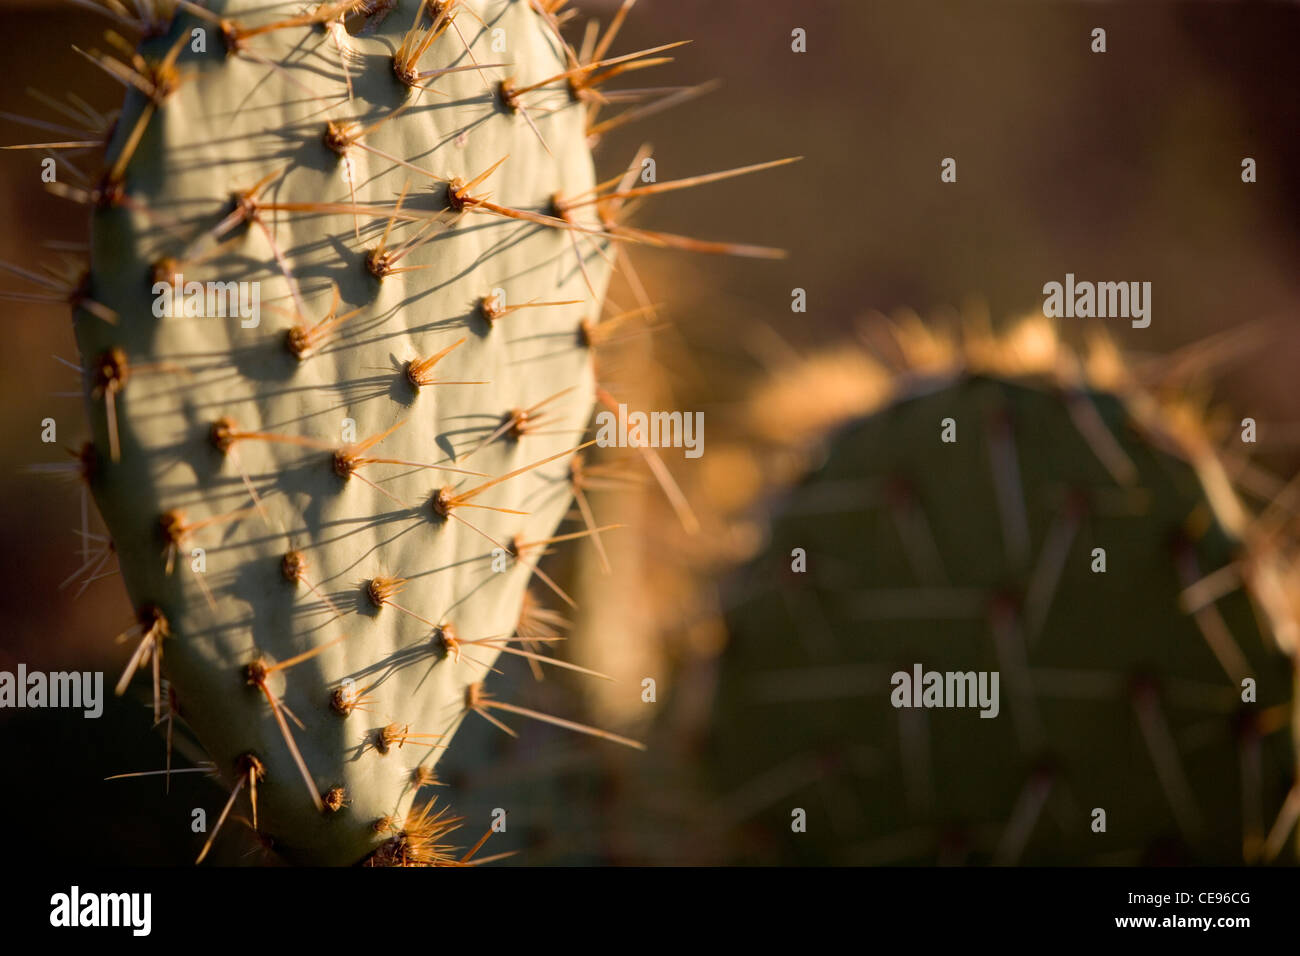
(306, 493)
(1002, 508)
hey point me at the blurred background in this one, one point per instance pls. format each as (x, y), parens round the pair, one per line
(1123, 166)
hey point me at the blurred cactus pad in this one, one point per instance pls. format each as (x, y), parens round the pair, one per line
(1007, 505)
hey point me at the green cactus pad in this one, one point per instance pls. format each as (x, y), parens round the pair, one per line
(1119, 690)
